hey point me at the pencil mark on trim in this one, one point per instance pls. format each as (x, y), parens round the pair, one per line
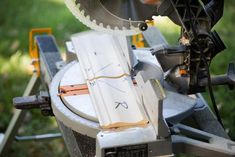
(123, 104)
(112, 86)
(106, 66)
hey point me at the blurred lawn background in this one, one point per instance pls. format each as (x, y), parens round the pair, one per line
(16, 20)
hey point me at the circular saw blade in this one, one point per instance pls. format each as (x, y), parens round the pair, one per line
(114, 16)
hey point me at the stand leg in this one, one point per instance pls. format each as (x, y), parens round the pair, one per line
(17, 118)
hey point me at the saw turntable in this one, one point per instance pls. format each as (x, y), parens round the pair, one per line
(120, 113)
(114, 97)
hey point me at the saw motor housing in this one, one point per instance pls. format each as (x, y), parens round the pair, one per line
(198, 45)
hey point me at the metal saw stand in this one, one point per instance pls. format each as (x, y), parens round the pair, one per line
(50, 63)
(7, 139)
(32, 88)
(17, 118)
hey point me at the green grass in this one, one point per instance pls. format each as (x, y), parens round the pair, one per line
(16, 20)
(17, 17)
(226, 98)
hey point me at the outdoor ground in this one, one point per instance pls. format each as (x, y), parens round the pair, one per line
(16, 20)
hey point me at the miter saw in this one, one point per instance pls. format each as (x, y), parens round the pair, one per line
(115, 99)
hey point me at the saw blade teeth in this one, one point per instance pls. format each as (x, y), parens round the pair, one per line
(101, 25)
(94, 21)
(88, 18)
(84, 18)
(134, 28)
(108, 27)
(82, 12)
(116, 28)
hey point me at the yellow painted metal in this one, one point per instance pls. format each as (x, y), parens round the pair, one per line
(150, 22)
(138, 40)
(33, 48)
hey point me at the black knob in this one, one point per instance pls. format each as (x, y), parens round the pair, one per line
(143, 26)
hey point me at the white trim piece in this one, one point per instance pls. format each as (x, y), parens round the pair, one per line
(109, 82)
(115, 103)
(104, 48)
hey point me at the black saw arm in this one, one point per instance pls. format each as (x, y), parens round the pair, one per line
(196, 19)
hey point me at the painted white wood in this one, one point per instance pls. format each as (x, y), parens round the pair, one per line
(110, 86)
(127, 56)
(116, 104)
(99, 55)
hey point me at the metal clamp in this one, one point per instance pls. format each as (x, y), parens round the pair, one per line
(41, 101)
